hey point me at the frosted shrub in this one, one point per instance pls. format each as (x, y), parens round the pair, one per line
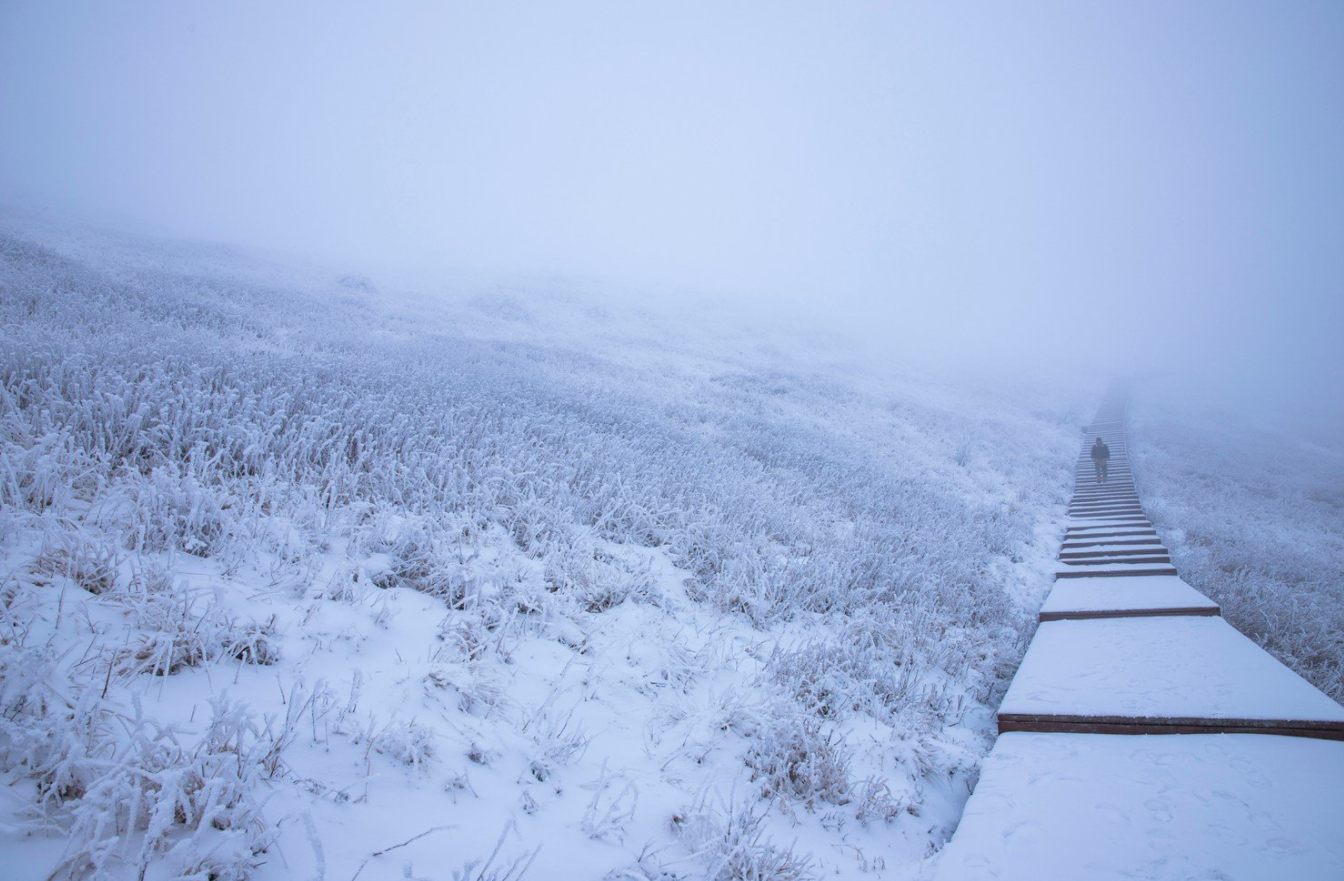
(432, 559)
(414, 561)
(535, 527)
(42, 734)
(794, 760)
(477, 691)
(24, 671)
(250, 642)
(67, 754)
(43, 471)
(87, 561)
(182, 801)
(177, 512)
(732, 845)
(596, 580)
(883, 665)
(815, 677)
(406, 742)
(558, 738)
(174, 636)
(175, 629)
(874, 803)
(153, 577)
(479, 631)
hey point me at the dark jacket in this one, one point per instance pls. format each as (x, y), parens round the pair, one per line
(1101, 451)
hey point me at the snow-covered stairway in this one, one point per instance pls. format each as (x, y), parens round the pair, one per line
(1125, 647)
(1107, 534)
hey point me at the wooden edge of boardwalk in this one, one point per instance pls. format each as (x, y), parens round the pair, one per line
(1319, 729)
(1085, 614)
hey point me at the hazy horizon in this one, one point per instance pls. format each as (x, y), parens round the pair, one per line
(1084, 184)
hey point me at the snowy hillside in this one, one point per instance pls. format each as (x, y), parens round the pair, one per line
(1254, 514)
(304, 578)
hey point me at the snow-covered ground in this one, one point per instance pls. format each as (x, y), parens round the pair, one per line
(1058, 807)
(304, 577)
(1252, 507)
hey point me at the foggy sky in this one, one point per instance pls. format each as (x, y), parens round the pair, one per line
(1083, 179)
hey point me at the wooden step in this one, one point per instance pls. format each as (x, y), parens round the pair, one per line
(1113, 552)
(1114, 542)
(1117, 570)
(1099, 562)
(1084, 528)
(1161, 675)
(1124, 597)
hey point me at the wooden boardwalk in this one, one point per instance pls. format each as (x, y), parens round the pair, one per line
(1250, 754)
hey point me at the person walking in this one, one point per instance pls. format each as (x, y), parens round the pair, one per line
(1101, 458)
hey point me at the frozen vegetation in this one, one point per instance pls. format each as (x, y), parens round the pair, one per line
(1253, 511)
(307, 579)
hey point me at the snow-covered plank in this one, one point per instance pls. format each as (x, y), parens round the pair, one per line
(1117, 542)
(1125, 597)
(1102, 552)
(1114, 536)
(1098, 498)
(1160, 674)
(1081, 524)
(1106, 503)
(1148, 545)
(1131, 527)
(1114, 565)
(1128, 520)
(1093, 503)
(1114, 570)
(1107, 560)
(1061, 807)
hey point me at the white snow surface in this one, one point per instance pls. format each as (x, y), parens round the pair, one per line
(302, 577)
(1124, 593)
(1176, 807)
(1164, 667)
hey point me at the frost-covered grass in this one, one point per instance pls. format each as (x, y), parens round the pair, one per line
(302, 579)
(1253, 512)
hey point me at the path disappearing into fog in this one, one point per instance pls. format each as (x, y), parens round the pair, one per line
(1143, 736)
